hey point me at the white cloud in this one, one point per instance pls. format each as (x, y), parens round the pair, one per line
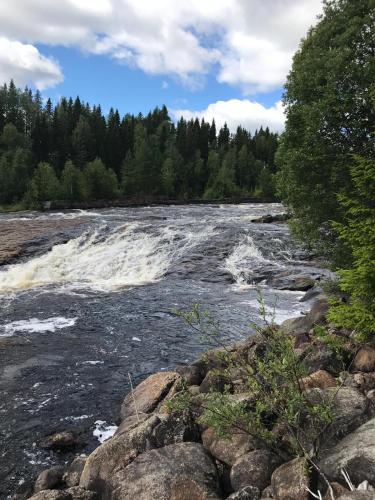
(251, 42)
(249, 114)
(25, 64)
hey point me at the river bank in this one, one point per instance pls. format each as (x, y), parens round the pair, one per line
(79, 315)
(161, 453)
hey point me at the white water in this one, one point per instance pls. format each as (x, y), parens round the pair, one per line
(243, 258)
(130, 256)
(35, 325)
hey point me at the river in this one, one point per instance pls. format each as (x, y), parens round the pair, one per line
(76, 319)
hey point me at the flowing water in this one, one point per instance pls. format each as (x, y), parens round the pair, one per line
(77, 319)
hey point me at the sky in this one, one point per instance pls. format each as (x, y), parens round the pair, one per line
(222, 59)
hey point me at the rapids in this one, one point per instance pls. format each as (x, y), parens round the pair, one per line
(74, 321)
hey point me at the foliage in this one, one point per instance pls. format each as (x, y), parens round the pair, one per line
(277, 399)
(329, 101)
(149, 155)
(357, 233)
(101, 183)
(44, 183)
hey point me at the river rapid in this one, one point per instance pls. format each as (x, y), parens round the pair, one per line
(75, 320)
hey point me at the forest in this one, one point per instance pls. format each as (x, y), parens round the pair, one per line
(72, 152)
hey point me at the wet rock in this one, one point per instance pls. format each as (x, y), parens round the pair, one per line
(73, 474)
(59, 441)
(320, 379)
(52, 495)
(355, 453)
(364, 360)
(290, 480)
(268, 219)
(246, 493)
(291, 282)
(24, 491)
(115, 454)
(213, 382)
(148, 394)
(192, 374)
(181, 471)
(312, 293)
(349, 408)
(254, 469)
(231, 449)
(176, 429)
(49, 479)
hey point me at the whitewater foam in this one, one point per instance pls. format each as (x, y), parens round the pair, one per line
(242, 259)
(132, 255)
(35, 325)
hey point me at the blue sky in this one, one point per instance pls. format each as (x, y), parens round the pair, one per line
(222, 59)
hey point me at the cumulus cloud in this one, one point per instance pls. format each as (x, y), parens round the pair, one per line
(248, 42)
(25, 64)
(250, 115)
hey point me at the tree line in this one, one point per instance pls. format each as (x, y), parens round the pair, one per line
(71, 151)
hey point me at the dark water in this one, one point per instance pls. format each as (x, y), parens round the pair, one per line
(78, 319)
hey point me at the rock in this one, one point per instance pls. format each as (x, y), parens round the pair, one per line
(349, 411)
(73, 474)
(267, 492)
(49, 479)
(320, 357)
(364, 382)
(268, 219)
(115, 454)
(23, 491)
(52, 495)
(59, 441)
(246, 493)
(338, 490)
(254, 469)
(192, 374)
(290, 480)
(213, 382)
(355, 453)
(303, 324)
(176, 428)
(287, 281)
(228, 450)
(182, 471)
(364, 360)
(78, 493)
(358, 495)
(131, 422)
(312, 293)
(148, 394)
(320, 379)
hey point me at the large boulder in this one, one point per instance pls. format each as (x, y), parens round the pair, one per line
(254, 469)
(355, 453)
(320, 357)
(358, 495)
(49, 479)
(316, 316)
(114, 455)
(182, 471)
(148, 394)
(349, 408)
(228, 450)
(291, 480)
(364, 360)
(213, 382)
(176, 428)
(192, 374)
(59, 441)
(73, 474)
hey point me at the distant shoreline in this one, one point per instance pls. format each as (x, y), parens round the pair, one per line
(144, 202)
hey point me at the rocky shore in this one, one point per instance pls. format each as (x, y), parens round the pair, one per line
(161, 454)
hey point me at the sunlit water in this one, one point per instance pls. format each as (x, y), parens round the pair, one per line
(98, 307)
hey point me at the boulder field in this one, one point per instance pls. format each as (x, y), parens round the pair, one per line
(159, 454)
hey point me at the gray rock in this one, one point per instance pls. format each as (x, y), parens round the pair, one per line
(192, 374)
(246, 493)
(254, 469)
(176, 472)
(115, 454)
(303, 324)
(231, 449)
(364, 360)
(52, 495)
(355, 453)
(320, 357)
(73, 474)
(49, 479)
(78, 493)
(213, 382)
(358, 495)
(59, 441)
(290, 480)
(176, 429)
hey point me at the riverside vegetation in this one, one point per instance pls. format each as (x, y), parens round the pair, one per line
(288, 413)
